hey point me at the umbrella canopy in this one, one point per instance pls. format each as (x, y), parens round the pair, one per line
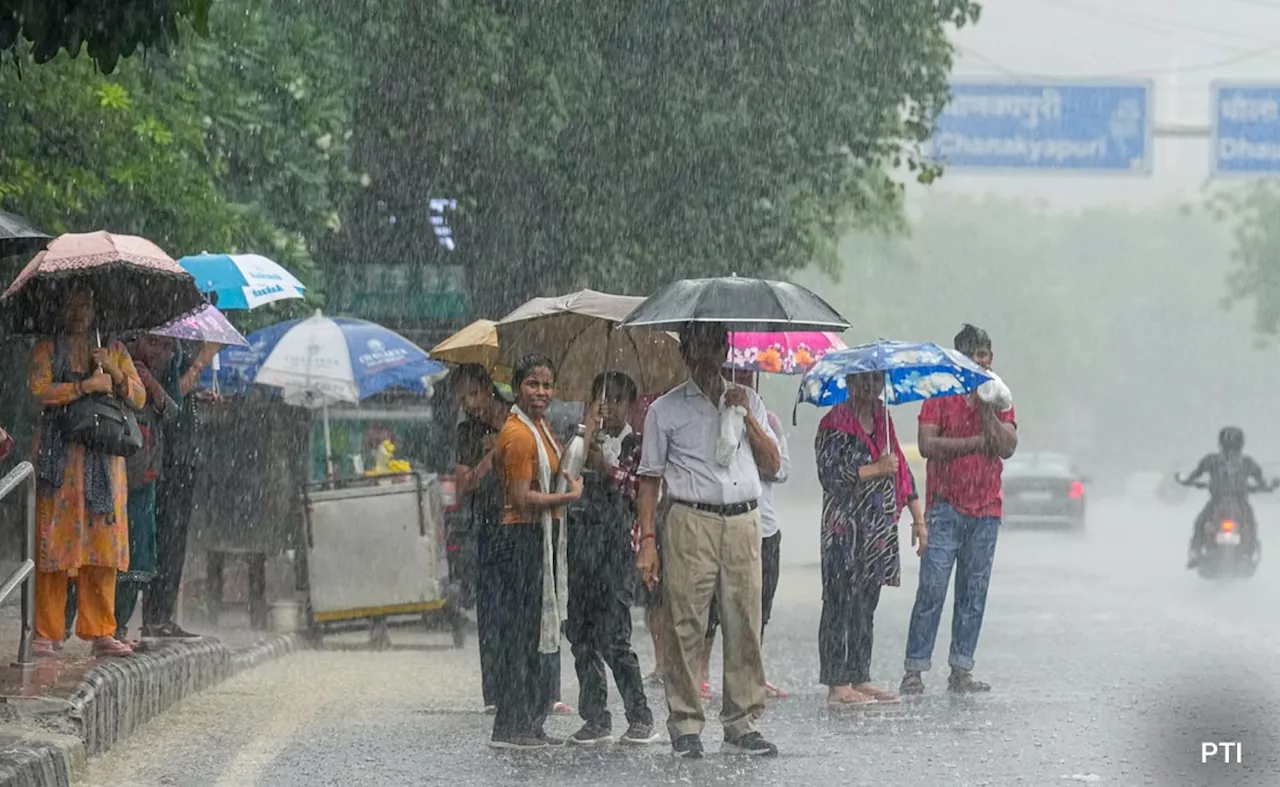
(242, 281)
(136, 285)
(206, 325)
(784, 352)
(476, 343)
(322, 360)
(17, 236)
(742, 304)
(913, 372)
(579, 333)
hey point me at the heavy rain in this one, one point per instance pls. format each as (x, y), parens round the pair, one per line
(468, 392)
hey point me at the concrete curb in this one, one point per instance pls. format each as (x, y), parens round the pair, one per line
(50, 739)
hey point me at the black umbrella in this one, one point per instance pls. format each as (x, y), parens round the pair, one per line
(19, 237)
(740, 303)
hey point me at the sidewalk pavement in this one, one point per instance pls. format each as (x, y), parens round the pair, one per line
(55, 714)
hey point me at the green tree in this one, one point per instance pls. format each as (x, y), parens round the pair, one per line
(109, 30)
(622, 145)
(1252, 214)
(80, 150)
(240, 142)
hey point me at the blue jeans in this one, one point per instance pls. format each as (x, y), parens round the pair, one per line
(968, 543)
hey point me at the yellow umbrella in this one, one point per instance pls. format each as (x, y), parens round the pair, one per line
(476, 343)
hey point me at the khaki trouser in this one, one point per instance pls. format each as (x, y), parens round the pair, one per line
(706, 555)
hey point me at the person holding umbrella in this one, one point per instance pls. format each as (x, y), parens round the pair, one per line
(712, 536)
(710, 442)
(770, 545)
(80, 285)
(601, 578)
(866, 485)
(81, 519)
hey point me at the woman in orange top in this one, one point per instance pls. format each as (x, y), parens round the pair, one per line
(531, 590)
(82, 529)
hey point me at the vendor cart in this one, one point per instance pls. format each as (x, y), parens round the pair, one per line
(372, 549)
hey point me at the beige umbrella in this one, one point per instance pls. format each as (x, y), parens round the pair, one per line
(476, 343)
(579, 333)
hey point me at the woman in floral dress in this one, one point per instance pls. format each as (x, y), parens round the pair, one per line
(864, 491)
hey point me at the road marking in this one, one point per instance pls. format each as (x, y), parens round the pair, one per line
(271, 738)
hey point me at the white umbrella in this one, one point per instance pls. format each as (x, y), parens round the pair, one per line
(320, 361)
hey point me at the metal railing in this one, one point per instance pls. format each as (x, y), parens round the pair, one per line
(24, 574)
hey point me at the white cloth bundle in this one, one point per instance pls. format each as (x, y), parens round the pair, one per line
(995, 392)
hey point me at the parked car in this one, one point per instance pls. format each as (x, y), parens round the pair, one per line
(1044, 490)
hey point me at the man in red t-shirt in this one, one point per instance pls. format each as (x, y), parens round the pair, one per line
(965, 441)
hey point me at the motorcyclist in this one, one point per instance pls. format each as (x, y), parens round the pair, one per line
(1230, 472)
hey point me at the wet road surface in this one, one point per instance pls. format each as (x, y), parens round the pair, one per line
(1111, 665)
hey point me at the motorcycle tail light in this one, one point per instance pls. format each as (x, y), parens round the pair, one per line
(1228, 526)
(1077, 490)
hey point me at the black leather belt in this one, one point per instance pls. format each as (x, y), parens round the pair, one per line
(732, 509)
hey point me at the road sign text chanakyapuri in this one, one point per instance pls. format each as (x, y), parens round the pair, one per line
(992, 125)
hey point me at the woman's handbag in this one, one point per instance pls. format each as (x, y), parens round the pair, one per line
(102, 424)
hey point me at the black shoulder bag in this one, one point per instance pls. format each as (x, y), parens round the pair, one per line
(97, 421)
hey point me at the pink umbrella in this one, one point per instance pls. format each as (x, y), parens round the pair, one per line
(136, 285)
(783, 352)
(206, 325)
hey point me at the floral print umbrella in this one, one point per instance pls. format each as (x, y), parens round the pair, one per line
(784, 352)
(913, 372)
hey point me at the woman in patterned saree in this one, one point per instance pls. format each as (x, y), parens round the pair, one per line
(864, 491)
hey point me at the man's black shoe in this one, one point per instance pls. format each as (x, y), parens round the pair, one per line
(752, 744)
(688, 747)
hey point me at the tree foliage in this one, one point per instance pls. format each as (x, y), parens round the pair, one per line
(1252, 214)
(625, 144)
(108, 29)
(240, 142)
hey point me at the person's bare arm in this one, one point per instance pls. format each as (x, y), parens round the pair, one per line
(763, 448)
(202, 359)
(934, 446)
(646, 508)
(524, 499)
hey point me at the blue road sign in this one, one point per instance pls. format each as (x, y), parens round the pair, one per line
(1045, 126)
(1246, 129)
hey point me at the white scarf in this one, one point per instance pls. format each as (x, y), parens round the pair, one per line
(555, 577)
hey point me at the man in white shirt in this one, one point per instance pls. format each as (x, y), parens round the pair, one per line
(712, 536)
(770, 547)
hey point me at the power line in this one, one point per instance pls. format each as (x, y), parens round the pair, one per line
(1023, 76)
(1164, 26)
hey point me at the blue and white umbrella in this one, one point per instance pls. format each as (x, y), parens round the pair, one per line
(913, 372)
(242, 281)
(321, 360)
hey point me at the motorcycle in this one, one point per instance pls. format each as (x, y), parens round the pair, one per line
(1229, 547)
